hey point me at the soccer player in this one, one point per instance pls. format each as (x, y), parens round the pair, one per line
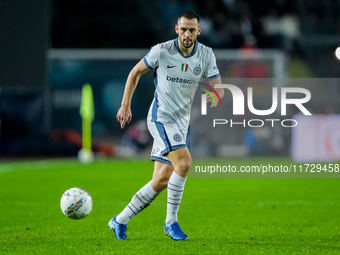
(177, 65)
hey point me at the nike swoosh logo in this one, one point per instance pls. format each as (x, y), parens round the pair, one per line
(175, 195)
(170, 66)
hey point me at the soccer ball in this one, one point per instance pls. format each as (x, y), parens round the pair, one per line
(76, 203)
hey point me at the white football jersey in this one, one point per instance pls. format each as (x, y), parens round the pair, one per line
(176, 79)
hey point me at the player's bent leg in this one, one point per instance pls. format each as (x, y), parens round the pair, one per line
(139, 202)
(141, 199)
(161, 175)
(181, 161)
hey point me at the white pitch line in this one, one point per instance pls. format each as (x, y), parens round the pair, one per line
(29, 165)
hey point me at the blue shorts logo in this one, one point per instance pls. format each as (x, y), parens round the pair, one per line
(177, 138)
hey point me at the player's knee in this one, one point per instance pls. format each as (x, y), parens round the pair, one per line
(160, 183)
(184, 166)
(163, 182)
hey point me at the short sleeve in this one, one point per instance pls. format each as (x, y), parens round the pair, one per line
(151, 59)
(211, 71)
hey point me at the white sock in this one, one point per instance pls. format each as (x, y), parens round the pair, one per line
(139, 202)
(175, 192)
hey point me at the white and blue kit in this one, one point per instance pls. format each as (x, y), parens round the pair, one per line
(176, 79)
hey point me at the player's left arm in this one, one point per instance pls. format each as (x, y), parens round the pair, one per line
(220, 92)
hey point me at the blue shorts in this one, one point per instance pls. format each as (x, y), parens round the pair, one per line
(167, 137)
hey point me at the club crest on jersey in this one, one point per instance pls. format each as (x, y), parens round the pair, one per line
(184, 68)
(197, 70)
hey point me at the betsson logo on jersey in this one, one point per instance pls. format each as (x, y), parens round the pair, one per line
(179, 80)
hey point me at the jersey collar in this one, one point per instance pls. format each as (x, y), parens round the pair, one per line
(180, 52)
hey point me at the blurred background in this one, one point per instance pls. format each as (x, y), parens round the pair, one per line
(50, 49)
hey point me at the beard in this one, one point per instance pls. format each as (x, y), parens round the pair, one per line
(187, 45)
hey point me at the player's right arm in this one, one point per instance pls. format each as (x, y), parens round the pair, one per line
(124, 114)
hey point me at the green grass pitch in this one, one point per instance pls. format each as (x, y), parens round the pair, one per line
(220, 216)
